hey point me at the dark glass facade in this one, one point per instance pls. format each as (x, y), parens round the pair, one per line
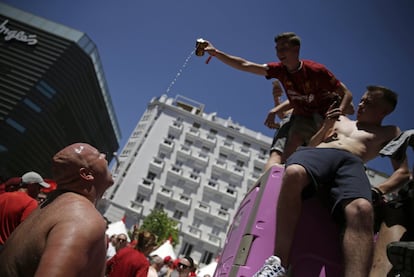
(52, 93)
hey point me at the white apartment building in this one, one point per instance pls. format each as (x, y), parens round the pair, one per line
(196, 166)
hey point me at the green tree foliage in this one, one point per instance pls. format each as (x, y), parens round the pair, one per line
(158, 223)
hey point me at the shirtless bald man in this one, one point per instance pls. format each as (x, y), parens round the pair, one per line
(342, 146)
(65, 236)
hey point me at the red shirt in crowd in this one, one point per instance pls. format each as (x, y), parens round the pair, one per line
(14, 208)
(127, 262)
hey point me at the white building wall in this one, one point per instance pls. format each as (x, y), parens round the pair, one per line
(205, 194)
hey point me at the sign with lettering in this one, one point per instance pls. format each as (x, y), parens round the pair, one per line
(22, 36)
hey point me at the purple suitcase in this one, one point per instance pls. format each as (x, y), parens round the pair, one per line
(250, 239)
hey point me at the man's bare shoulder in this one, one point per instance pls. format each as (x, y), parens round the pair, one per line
(73, 208)
(389, 132)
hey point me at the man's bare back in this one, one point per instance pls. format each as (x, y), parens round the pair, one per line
(55, 223)
(65, 236)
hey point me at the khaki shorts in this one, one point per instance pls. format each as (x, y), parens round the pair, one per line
(305, 127)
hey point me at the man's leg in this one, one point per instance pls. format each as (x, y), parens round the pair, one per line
(294, 141)
(289, 208)
(381, 265)
(274, 158)
(358, 237)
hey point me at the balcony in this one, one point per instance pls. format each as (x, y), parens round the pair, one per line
(236, 173)
(260, 160)
(252, 179)
(211, 189)
(243, 153)
(220, 166)
(209, 140)
(167, 145)
(220, 216)
(229, 196)
(227, 147)
(193, 134)
(201, 159)
(146, 187)
(194, 232)
(182, 202)
(137, 207)
(184, 152)
(213, 239)
(164, 195)
(156, 165)
(174, 173)
(176, 129)
(202, 210)
(192, 180)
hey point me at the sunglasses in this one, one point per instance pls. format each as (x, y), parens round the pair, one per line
(121, 240)
(182, 266)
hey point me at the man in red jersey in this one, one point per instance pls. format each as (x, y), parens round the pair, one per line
(310, 88)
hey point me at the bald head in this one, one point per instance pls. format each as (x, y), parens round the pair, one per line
(79, 163)
(67, 162)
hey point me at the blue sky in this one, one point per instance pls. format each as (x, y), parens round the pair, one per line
(143, 45)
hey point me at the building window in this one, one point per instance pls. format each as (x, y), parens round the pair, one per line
(246, 144)
(184, 198)
(187, 248)
(159, 206)
(240, 163)
(212, 183)
(140, 198)
(176, 169)
(196, 125)
(194, 176)
(222, 157)
(205, 150)
(32, 105)
(178, 214)
(15, 125)
(207, 257)
(45, 89)
(151, 176)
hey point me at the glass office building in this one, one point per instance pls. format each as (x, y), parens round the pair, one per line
(53, 92)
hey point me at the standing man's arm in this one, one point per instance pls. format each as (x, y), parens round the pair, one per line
(280, 110)
(346, 105)
(237, 62)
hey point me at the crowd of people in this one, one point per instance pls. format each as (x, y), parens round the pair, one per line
(322, 149)
(135, 258)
